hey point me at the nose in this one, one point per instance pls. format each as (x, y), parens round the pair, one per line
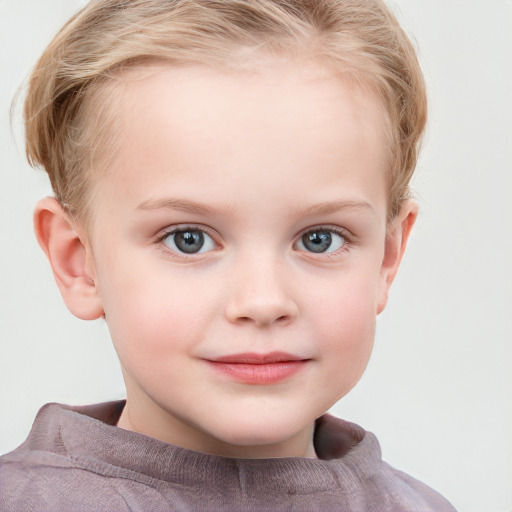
(260, 297)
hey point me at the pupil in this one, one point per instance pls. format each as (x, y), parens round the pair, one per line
(189, 241)
(317, 241)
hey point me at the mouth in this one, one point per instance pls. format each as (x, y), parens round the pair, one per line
(259, 369)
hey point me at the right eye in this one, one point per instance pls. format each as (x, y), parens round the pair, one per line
(188, 241)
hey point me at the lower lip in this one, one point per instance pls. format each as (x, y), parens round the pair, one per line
(267, 373)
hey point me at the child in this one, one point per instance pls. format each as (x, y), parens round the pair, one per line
(231, 195)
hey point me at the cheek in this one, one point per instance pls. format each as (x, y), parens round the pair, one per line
(346, 319)
(348, 328)
(151, 315)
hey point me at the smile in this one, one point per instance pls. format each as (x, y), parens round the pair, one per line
(259, 369)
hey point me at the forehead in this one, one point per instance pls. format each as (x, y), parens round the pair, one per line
(267, 90)
(280, 122)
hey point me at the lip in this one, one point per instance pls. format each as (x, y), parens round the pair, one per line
(260, 369)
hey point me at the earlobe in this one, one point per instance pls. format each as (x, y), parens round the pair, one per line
(69, 257)
(396, 242)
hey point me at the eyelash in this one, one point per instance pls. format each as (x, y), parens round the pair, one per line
(160, 240)
(342, 232)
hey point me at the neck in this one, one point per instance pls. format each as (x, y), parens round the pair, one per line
(171, 430)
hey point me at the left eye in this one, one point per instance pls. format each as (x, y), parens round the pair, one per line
(321, 241)
(189, 241)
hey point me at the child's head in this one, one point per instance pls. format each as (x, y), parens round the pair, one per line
(227, 172)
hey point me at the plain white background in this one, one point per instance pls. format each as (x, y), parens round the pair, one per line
(438, 389)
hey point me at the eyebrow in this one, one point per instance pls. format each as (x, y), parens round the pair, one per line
(187, 206)
(335, 206)
(183, 205)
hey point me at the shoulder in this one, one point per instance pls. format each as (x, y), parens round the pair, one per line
(42, 474)
(410, 493)
(32, 480)
(356, 455)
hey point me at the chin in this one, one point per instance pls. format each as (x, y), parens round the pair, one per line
(251, 432)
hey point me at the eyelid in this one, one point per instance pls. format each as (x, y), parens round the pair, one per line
(338, 230)
(176, 228)
(344, 232)
(166, 232)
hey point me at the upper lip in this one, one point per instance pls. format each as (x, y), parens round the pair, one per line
(255, 358)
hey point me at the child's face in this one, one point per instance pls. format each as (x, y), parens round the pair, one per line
(243, 221)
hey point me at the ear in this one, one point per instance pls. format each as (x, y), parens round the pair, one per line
(70, 257)
(396, 241)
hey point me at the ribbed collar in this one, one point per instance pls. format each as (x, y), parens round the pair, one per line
(88, 436)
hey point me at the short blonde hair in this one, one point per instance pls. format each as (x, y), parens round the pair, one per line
(66, 118)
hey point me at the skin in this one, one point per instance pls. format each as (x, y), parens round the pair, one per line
(255, 160)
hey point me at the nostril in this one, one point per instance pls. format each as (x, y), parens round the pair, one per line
(261, 312)
(263, 321)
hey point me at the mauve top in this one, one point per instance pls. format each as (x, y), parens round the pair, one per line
(76, 460)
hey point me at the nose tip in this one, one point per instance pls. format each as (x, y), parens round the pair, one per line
(263, 315)
(261, 307)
